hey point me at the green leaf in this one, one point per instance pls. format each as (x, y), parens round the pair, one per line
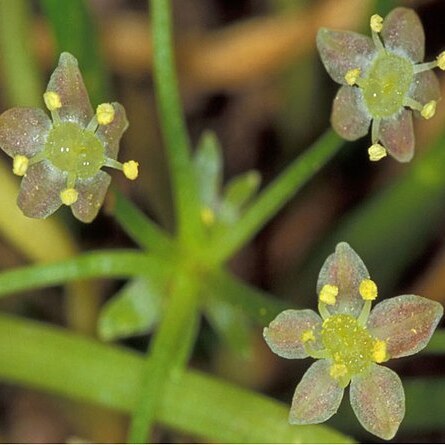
(134, 310)
(232, 326)
(208, 167)
(238, 192)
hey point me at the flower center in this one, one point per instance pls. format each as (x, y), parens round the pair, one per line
(74, 150)
(349, 345)
(389, 80)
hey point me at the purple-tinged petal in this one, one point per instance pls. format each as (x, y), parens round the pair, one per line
(110, 135)
(39, 195)
(284, 332)
(92, 193)
(397, 135)
(341, 51)
(350, 118)
(378, 401)
(426, 87)
(317, 396)
(344, 269)
(406, 323)
(23, 131)
(67, 81)
(403, 33)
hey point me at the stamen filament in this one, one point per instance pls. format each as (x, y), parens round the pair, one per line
(364, 314)
(112, 163)
(323, 310)
(375, 128)
(421, 67)
(55, 117)
(377, 41)
(316, 353)
(93, 124)
(413, 104)
(71, 180)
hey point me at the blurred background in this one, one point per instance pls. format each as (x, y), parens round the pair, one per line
(248, 71)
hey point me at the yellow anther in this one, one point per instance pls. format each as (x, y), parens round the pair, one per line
(376, 23)
(376, 152)
(307, 336)
(105, 114)
(379, 352)
(441, 60)
(368, 289)
(328, 294)
(207, 216)
(429, 109)
(69, 196)
(52, 100)
(20, 165)
(338, 370)
(352, 76)
(131, 169)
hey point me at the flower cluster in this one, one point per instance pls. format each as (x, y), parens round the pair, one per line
(61, 160)
(383, 82)
(350, 342)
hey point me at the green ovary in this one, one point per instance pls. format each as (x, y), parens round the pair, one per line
(347, 343)
(74, 150)
(387, 84)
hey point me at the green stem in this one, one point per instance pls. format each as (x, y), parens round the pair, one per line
(88, 371)
(20, 73)
(168, 353)
(117, 264)
(276, 195)
(172, 121)
(139, 227)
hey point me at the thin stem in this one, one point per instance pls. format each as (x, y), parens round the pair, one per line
(276, 195)
(172, 121)
(167, 355)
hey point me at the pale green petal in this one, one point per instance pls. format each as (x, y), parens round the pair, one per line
(350, 119)
(397, 136)
(378, 401)
(341, 51)
(39, 195)
(23, 131)
(346, 270)
(406, 323)
(284, 332)
(67, 81)
(92, 193)
(317, 396)
(403, 33)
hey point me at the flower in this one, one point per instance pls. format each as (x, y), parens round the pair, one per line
(350, 342)
(61, 160)
(383, 82)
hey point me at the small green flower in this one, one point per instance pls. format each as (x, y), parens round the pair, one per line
(350, 342)
(61, 160)
(383, 82)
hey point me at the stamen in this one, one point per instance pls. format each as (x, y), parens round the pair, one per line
(130, 169)
(376, 152)
(413, 104)
(368, 289)
(379, 351)
(364, 314)
(105, 114)
(52, 100)
(323, 310)
(421, 67)
(375, 129)
(376, 23)
(328, 294)
(429, 109)
(93, 124)
(352, 76)
(307, 336)
(20, 165)
(207, 216)
(69, 196)
(441, 60)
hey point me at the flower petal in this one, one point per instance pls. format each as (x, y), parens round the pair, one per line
(403, 31)
(341, 51)
(378, 401)
(40, 190)
(92, 193)
(23, 131)
(350, 119)
(67, 81)
(284, 333)
(111, 134)
(426, 87)
(397, 135)
(317, 396)
(406, 323)
(346, 270)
